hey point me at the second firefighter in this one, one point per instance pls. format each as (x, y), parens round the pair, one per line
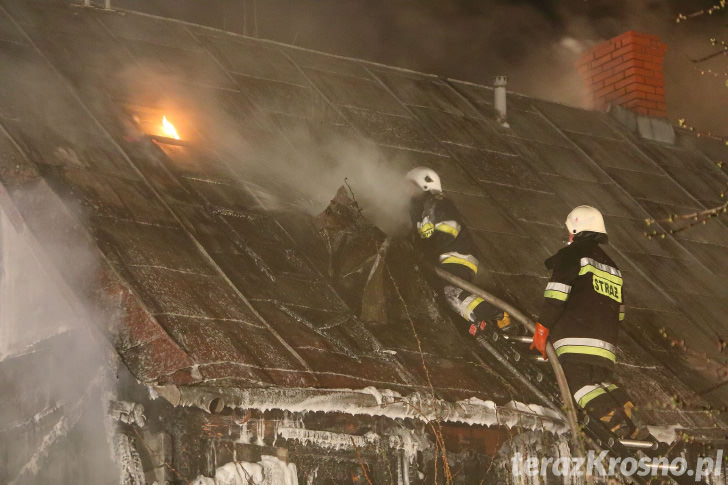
(448, 243)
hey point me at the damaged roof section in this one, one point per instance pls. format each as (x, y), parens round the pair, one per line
(222, 280)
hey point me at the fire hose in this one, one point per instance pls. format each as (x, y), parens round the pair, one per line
(568, 402)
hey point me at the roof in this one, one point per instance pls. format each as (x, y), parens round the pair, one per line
(213, 283)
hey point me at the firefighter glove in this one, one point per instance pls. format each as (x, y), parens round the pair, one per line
(425, 228)
(539, 339)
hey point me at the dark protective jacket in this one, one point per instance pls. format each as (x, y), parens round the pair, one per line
(446, 240)
(584, 302)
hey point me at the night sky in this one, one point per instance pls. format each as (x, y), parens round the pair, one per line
(534, 42)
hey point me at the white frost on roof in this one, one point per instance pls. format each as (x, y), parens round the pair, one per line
(665, 433)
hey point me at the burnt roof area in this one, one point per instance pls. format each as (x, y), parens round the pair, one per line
(217, 276)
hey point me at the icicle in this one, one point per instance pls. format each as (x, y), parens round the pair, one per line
(310, 477)
(260, 433)
(400, 472)
(328, 439)
(564, 451)
(244, 434)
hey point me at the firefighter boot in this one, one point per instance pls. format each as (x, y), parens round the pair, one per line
(619, 423)
(640, 430)
(504, 323)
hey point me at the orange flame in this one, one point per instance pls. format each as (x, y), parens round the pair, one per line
(169, 129)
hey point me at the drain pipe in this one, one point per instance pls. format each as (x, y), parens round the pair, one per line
(499, 99)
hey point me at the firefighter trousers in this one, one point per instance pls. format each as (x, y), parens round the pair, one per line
(470, 307)
(595, 391)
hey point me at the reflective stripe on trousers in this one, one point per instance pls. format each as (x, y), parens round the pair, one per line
(465, 306)
(588, 393)
(585, 346)
(449, 227)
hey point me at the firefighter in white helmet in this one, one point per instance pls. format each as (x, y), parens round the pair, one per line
(583, 305)
(447, 241)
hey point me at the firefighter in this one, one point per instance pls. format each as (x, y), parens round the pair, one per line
(583, 305)
(447, 242)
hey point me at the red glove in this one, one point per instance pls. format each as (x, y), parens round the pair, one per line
(539, 339)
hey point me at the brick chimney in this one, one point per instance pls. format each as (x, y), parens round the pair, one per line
(626, 70)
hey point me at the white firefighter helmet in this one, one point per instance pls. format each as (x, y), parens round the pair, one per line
(585, 218)
(426, 179)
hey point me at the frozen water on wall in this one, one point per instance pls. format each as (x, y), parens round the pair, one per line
(381, 402)
(270, 470)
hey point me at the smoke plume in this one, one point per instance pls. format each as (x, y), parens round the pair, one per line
(56, 377)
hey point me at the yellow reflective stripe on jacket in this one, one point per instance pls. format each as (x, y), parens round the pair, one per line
(448, 227)
(601, 266)
(585, 346)
(556, 295)
(458, 258)
(606, 280)
(617, 280)
(473, 304)
(609, 273)
(557, 291)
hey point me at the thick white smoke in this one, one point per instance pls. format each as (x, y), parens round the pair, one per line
(302, 172)
(56, 376)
